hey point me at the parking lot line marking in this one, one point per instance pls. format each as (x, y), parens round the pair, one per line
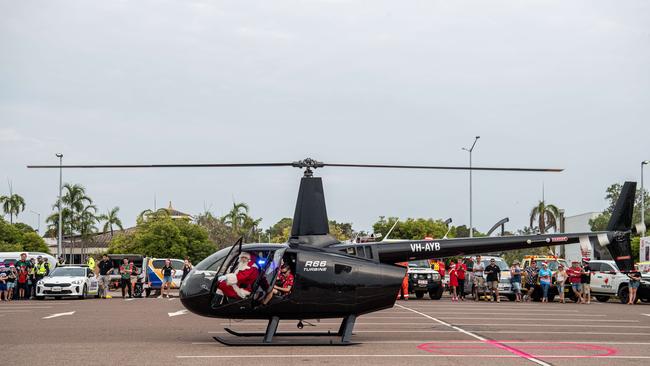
(130, 299)
(555, 319)
(58, 315)
(504, 347)
(180, 312)
(565, 325)
(553, 332)
(646, 314)
(403, 355)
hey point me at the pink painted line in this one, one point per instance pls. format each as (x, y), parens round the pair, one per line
(512, 350)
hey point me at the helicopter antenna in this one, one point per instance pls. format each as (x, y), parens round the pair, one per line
(391, 229)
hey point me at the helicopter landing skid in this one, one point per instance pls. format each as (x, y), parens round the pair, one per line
(345, 332)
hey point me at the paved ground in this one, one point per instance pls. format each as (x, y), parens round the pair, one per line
(159, 331)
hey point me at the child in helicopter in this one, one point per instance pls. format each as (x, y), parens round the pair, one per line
(283, 284)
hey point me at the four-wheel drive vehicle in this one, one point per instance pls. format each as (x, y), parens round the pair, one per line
(553, 264)
(65, 281)
(607, 281)
(505, 287)
(424, 279)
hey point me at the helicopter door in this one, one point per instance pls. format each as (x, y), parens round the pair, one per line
(226, 266)
(269, 268)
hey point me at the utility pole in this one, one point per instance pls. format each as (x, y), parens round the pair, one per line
(60, 236)
(645, 162)
(471, 228)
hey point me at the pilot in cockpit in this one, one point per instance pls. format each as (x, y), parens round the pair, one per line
(283, 283)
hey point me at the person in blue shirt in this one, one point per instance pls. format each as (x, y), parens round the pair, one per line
(545, 280)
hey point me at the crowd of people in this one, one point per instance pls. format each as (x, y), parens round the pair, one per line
(18, 280)
(524, 281)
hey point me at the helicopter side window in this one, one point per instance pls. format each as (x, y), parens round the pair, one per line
(361, 251)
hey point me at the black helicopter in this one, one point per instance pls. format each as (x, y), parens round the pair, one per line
(346, 280)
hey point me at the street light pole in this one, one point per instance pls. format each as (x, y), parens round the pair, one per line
(60, 236)
(471, 228)
(643, 197)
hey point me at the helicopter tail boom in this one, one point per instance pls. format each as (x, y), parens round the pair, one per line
(616, 239)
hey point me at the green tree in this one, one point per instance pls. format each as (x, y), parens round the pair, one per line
(16, 238)
(32, 242)
(12, 205)
(546, 216)
(237, 216)
(220, 234)
(162, 237)
(413, 229)
(277, 231)
(111, 219)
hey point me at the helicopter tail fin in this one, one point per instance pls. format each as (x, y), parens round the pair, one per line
(621, 224)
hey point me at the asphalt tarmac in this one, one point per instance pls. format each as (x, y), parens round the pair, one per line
(159, 331)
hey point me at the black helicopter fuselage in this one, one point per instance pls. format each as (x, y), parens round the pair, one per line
(328, 283)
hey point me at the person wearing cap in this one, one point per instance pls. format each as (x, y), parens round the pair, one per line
(575, 274)
(493, 273)
(41, 270)
(478, 271)
(515, 276)
(560, 279)
(283, 284)
(531, 274)
(545, 280)
(585, 279)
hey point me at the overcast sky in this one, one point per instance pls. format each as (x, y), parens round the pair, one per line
(544, 83)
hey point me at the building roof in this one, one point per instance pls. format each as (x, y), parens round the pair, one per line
(98, 240)
(175, 214)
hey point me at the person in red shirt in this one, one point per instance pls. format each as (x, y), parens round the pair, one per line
(453, 281)
(22, 282)
(460, 270)
(283, 284)
(575, 274)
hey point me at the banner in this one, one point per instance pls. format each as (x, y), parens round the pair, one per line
(644, 249)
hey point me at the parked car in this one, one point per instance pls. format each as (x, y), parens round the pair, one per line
(424, 280)
(505, 287)
(66, 281)
(608, 281)
(553, 264)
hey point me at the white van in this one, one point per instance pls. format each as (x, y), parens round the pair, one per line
(8, 258)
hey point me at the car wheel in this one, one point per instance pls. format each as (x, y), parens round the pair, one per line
(551, 297)
(512, 297)
(40, 297)
(624, 294)
(602, 298)
(147, 292)
(84, 293)
(419, 295)
(137, 290)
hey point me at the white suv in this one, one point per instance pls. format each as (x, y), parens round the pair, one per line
(68, 281)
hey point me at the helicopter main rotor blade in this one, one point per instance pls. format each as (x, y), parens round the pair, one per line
(206, 165)
(443, 167)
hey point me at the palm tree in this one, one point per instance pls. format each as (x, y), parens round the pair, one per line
(111, 219)
(546, 215)
(78, 211)
(237, 216)
(12, 205)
